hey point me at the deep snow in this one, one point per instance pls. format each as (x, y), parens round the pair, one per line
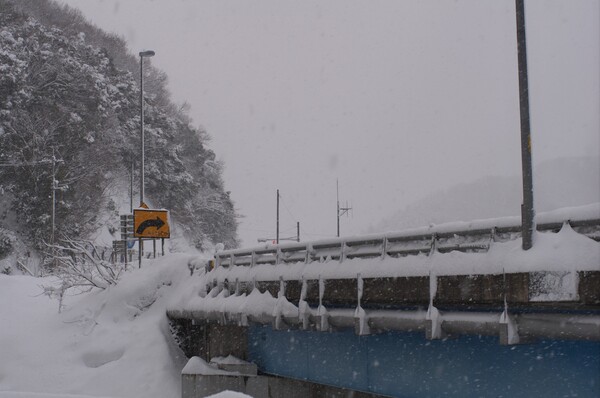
(113, 343)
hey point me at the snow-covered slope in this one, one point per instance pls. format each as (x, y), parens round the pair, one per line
(113, 343)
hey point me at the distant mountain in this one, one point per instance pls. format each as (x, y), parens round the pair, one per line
(558, 183)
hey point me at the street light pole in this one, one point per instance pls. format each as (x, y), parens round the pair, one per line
(148, 53)
(143, 54)
(527, 209)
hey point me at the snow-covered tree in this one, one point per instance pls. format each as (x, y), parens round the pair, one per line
(62, 93)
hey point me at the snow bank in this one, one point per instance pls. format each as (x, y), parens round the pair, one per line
(113, 343)
(197, 365)
(229, 394)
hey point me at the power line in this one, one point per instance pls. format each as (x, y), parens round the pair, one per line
(287, 208)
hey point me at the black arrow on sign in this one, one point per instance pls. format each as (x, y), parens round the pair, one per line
(158, 223)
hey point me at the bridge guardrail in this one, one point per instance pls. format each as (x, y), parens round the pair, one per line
(472, 237)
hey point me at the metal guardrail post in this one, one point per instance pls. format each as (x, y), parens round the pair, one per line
(433, 244)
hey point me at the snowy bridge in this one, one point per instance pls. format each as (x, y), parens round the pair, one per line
(413, 313)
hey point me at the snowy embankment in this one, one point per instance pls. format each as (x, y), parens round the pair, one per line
(112, 343)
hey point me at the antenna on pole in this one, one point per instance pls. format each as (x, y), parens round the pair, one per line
(340, 210)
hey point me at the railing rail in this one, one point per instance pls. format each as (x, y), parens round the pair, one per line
(465, 237)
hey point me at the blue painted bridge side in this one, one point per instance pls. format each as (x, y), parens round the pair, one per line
(402, 364)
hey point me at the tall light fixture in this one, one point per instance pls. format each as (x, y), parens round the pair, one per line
(143, 54)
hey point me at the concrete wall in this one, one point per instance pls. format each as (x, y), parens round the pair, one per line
(208, 339)
(197, 386)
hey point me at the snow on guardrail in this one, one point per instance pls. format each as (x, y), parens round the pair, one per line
(467, 237)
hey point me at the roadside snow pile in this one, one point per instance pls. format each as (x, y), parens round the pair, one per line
(229, 394)
(112, 343)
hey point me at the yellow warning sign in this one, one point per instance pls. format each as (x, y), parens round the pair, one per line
(151, 223)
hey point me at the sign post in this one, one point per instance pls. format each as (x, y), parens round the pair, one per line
(126, 232)
(150, 224)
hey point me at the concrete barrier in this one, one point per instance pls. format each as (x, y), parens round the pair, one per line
(201, 379)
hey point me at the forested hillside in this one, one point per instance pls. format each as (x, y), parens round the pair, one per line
(69, 89)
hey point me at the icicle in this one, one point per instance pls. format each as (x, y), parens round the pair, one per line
(435, 321)
(361, 321)
(281, 292)
(360, 284)
(322, 316)
(432, 287)
(321, 290)
(303, 308)
(509, 333)
(281, 300)
(434, 330)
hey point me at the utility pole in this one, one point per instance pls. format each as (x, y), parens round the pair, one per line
(277, 233)
(527, 210)
(143, 54)
(53, 200)
(131, 190)
(55, 186)
(337, 196)
(277, 237)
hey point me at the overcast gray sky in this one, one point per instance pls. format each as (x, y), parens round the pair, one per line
(397, 99)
